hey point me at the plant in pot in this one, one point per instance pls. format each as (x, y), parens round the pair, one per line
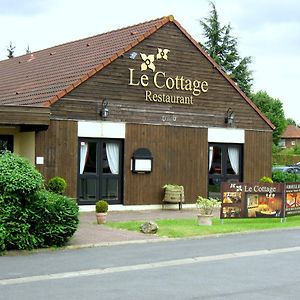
(101, 211)
(206, 207)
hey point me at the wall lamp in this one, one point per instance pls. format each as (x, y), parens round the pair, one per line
(104, 112)
(229, 117)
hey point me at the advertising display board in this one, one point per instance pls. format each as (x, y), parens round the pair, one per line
(259, 200)
(292, 196)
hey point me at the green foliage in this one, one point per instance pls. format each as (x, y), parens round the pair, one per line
(275, 149)
(285, 177)
(266, 179)
(31, 217)
(296, 149)
(54, 218)
(273, 110)
(207, 205)
(172, 187)
(291, 121)
(101, 206)
(222, 47)
(18, 176)
(285, 159)
(57, 185)
(11, 50)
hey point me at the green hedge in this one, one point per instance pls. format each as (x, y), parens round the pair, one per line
(284, 159)
(30, 216)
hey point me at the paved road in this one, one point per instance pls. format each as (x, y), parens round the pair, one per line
(263, 265)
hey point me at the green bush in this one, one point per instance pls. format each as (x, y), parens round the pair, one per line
(31, 217)
(18, 176)
(266, 179)
(297, 149)
(54, 218)
(57, 185)
(285, 177)
(101, 206)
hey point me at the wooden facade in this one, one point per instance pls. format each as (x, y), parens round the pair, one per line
(58, 147)
(257, 155)
(176, 134)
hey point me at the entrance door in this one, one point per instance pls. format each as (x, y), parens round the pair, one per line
(100, 170)
(224, 165)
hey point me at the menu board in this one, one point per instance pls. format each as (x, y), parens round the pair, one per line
(259, 200)
(292, 195)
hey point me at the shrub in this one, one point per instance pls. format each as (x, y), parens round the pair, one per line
(54, 218)
(297, 149)
(101, 206)
(285, 177)
(18, 176)
(266, 179)
(57, 185)
(31, 217)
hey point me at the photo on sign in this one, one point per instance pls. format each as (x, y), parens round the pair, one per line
(232, 197)
(292, 200)
(263, 206)
(231, 212)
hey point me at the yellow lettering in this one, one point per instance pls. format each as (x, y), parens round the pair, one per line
(144, 80)
(155, 79)
(148, 95)
(131, 78)
(204, 86)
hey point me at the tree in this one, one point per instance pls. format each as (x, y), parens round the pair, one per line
(273, 110)
(222, 47)
(28, 50)
(291, 121)
(11, 50)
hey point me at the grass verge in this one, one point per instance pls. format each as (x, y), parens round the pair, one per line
(177, 228)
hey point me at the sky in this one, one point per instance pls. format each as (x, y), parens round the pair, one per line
(267, 30)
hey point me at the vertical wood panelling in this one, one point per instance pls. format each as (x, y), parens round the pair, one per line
(58, 146)
(179, 157)
(257, 155)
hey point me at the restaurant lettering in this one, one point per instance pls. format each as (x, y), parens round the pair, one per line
(161, 80)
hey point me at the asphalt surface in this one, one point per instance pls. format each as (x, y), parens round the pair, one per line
(90, 233)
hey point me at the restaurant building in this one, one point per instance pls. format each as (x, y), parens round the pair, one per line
(121, 114)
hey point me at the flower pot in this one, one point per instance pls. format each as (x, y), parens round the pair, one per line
(101, 218)
(205, 220)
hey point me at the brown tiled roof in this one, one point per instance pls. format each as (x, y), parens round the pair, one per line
(291, 132)
(43, 77)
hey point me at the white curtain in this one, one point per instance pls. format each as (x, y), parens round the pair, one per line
(233, 153)
(112, 153)
(211, 152)
(83, 155)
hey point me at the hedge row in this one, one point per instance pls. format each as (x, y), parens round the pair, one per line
(30, 216)
(284, 159)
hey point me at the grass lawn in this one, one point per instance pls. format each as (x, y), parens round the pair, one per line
(188, 227)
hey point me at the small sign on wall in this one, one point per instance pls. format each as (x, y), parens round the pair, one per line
(142, 161)
(39, 160)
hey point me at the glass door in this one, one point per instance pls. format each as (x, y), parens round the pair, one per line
(224, 165)
(100, 170)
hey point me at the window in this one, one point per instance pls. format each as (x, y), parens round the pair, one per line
(224, 164)
(6, 143)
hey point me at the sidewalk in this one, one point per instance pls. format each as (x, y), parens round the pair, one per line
(89, 233)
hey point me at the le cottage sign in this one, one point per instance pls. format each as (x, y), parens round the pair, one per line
(162, 81)
(261, 200)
